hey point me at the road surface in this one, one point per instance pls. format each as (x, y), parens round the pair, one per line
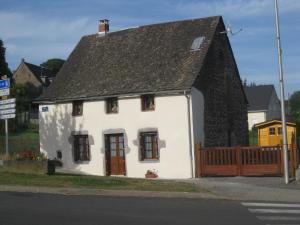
(48, 209)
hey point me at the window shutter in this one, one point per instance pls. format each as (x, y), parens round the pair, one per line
(142, 147)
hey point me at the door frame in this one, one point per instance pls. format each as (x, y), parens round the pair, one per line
(107, 151)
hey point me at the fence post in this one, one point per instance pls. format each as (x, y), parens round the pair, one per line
(198, 159)
(279, 159)
(238, 160)
(291, 161)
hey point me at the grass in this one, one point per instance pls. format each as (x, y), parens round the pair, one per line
(25, 140)
(36, 177)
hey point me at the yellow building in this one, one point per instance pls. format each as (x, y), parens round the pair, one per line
(270, 133)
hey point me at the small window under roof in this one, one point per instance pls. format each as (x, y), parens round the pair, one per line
(197, 43)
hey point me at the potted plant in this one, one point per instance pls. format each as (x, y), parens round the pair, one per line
(151, 174)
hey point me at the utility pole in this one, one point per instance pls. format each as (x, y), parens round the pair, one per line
(283, 120)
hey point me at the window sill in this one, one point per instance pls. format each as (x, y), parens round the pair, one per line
(150, 160)
(148, 110)
(82, 161)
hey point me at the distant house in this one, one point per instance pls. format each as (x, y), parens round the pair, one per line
(37, 79)
(140, 99)
(264, 104)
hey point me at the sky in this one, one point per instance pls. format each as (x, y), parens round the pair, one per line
(41, 29)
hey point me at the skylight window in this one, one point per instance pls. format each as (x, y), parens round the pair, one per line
(197, 43)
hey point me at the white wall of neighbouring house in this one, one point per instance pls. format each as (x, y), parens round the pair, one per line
(169, 119)
(256, 117)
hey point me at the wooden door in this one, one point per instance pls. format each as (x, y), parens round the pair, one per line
(115, 154)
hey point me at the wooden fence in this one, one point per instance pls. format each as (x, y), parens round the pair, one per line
(243, 161)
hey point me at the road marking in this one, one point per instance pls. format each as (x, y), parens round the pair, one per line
(282, 224)
(288, 211)
(259, 204)
(290, 218)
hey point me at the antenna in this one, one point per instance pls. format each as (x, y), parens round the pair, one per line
(229, 30)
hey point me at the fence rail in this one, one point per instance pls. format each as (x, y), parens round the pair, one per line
(243, 161)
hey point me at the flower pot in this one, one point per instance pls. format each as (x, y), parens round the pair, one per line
(150, 175)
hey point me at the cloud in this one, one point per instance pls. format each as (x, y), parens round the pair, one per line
(235, 8)
(37, 38)
(19, 25)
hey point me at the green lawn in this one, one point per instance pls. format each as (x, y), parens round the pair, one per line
(35, 176)
(26, 140)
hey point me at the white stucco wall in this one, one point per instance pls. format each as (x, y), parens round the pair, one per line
(169, 118)
(198, 115)
(255, 117)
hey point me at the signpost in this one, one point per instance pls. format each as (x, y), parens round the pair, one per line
(7, 107)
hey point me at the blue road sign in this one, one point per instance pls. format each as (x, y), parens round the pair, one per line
(45, 109)
(4, 84)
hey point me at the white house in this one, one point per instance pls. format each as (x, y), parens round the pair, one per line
(140, 99)
(264, 104)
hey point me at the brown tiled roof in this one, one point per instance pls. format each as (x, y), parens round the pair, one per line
(147, 59)
(39, 71)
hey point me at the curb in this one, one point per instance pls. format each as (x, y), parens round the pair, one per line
(109, 193)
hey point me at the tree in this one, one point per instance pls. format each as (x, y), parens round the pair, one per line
(295, 106)
(4, 70)
(53, 64)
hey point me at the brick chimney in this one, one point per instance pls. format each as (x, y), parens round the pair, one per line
(103, 27)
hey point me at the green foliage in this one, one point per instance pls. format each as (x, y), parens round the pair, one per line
(295, 106)
(23, 95)
(3, 65)
(295, 111)
(26, 140)
(53, 64)
(253, 139)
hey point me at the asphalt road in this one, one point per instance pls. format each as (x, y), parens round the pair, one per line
(47, 209)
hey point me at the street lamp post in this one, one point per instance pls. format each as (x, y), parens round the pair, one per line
(283, 120)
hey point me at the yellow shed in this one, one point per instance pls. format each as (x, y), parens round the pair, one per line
(270, 133)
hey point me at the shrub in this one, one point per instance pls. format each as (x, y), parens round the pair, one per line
(29, 155)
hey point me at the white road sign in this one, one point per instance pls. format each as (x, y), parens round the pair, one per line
(7, 101)
(7, 111)
(7, 106)
(8, 116)
(4, 92)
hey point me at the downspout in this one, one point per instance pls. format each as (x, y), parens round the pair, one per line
(188, 99)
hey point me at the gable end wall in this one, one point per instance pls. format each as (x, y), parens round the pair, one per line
(225, 107)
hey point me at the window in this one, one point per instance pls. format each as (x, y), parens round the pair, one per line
(197, 43)
(77, 108)
(81, 148)
(148, 145)
(148, 102)
(279, 130)
(272, 131)
(112, 105)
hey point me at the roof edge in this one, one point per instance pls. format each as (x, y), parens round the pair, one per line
(92, 98)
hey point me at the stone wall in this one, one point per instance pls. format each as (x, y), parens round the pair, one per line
(225, 112)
